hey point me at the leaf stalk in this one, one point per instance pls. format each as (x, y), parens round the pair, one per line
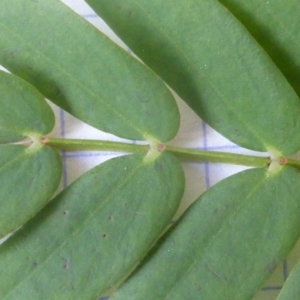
(94, 145)
(219, 157)
(191, 155)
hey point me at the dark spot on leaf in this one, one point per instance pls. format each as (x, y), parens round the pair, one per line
(159, 166)
(125, 204)
(110, 218)
(212, 272)
(39, 169)
(197, 286)
(35, 264)
(58, 93)
(216, 211)
(66, 263)
(31, 181)
(104, 235)
(65, 212)
(13, 53)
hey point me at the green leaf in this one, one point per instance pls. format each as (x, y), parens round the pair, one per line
(214, 64)
(94, 232)
(82, 71)
(23, 112)
(274, 24)
(29, 177)
(227, 243)
(291, 288)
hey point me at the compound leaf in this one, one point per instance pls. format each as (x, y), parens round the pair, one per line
(82, 71)
(94, 232)
(201, 50)
(227, 243)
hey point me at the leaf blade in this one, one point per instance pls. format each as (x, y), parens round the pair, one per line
(23, 112)
(28, 180)
(199, 42)
(111, 90)
(91, 240)
(273, 24)
(233, 255)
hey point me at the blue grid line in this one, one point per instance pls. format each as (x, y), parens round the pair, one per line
(89, 16)
(271, 288)
(88, 154)
(220, 147)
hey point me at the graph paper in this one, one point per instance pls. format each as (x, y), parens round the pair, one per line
(193, 133)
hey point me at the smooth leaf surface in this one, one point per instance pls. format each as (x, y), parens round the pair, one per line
(30, 174)
(23, 110)
(227, 243)
(202, 51)
(82, 71)
(94, 232)
(275, 25)
(291, 288)
(28, 179)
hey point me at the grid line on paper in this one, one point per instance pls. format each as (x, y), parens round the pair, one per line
(89, 16)
(271, 288)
